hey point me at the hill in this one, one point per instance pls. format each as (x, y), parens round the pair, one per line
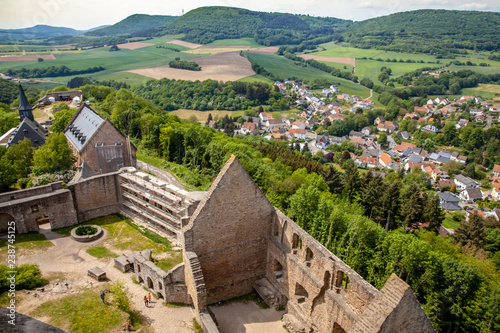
(207, 24)
(427, 30)
(131, 24)
(37, 32)
(9, 91)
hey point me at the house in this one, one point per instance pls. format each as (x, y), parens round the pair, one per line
(323, 141)
(366, 131)
(212, 124)
(359, 142)
(271, 123)
(430, 129)
(388, 127)
(404, 135)
(353, 134)
(367, 162)
(495, 193)
(494, 108)
(463, 182)
(449, 201)
(338, 140)
(379, 119)
(249, 128)
(298, 125)
(471, 194)
(29, 128)
(442, 183)
(300, 134)
(61, 96)
(496, 171)
(265, 116)
(98, 143)
(384, 160)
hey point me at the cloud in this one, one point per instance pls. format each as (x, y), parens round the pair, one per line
(473, 5)
(366, 4)
(435, 2)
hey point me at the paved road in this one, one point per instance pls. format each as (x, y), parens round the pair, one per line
(488, 122)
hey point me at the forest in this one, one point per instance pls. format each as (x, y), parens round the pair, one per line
(210, 95)
(51, 71)
(189, 65)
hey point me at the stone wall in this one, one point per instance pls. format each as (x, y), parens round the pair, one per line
(32, 207)
(229, 232)
(96, 196)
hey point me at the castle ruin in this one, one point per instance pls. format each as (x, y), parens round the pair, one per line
(234, 241)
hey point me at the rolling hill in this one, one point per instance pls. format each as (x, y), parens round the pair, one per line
(37, 32)
(207, 24)
(424, 30)
(133, 23)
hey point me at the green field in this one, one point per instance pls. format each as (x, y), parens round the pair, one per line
(285, 68)
(238, 42)
(256, 78)
(14, 49)
(484, 91)
(477, 69)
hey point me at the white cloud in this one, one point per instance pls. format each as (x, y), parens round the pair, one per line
(473, 5)
(366, 4)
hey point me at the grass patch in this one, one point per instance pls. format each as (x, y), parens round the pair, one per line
(252, 297)
(175, 305)
(125, 235)
(257, 78)
(101, 252)
(189, 179)
(168, 263)
(25, 243)
(197, 326)
(250, 42)
(83, 313)
(452, 220)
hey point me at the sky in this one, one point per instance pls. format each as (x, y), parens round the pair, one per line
(86, 14)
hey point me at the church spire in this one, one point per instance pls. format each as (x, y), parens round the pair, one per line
(25, 109)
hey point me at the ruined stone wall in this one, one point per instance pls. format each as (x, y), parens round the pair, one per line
(8, 196)
(55, 207)
(96, 196)
(229, 232)
(322, 291)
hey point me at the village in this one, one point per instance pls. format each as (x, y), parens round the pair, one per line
(383, 146)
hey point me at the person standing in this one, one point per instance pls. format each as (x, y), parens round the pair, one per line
(146, 301)
(149, 297)
(103, 293)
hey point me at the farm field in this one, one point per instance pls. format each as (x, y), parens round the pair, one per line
(285, 68)
(256, 78)
(484, 90)
(478, 69)
(340, 60)
(249, 42)
(202, 116)
(228, 66)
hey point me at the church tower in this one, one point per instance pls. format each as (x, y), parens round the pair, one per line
(25, 109)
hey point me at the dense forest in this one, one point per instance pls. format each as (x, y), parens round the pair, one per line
(438, 32)
(131, 24)
(9, 92)
(51, 71)
(206, 24)
(210, 95)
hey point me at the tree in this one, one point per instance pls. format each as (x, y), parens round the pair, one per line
(412, 206)
(304, 205)
(62, 119)
(7, 170)
(382, 139)
(351, 181)
(54, 155)
(370, 197)
(471, 231)
(391, 205)
(345, 156)
(8, 120)
(21, 154)
(333, 179)
(434, 214)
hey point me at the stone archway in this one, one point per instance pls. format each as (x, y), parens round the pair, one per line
(150, 283)
(140, 279)
(4, 222)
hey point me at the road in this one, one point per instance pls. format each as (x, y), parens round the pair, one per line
(488, 122)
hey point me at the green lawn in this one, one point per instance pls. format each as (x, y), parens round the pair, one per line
(124, 235)
(371, 68)
(483, 90)
(83, 313)
(101, 252)
(250, 42)
(127, 77)
(24, 244)
(285, 68)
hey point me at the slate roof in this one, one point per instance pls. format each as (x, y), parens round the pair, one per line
(82, 127)
(414, 158)
(83, 172)
(474, 193)
(31, 130)
(448, 197)
(24, 105)
(450, 206)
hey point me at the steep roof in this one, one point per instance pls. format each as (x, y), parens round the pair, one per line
(474, 193)
(31, 130)
(24, 105)
(82, 127)
(496, 168)
(448, 197)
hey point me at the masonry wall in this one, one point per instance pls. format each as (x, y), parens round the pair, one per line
(96, 196)
(55, 207)
(107, 134)
(229, 233)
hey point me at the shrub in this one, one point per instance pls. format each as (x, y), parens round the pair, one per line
(27, 277)
(85, 230)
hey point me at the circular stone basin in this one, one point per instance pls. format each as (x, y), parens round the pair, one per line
(88, 238)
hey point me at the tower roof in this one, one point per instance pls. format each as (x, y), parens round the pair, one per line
(24, 105)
